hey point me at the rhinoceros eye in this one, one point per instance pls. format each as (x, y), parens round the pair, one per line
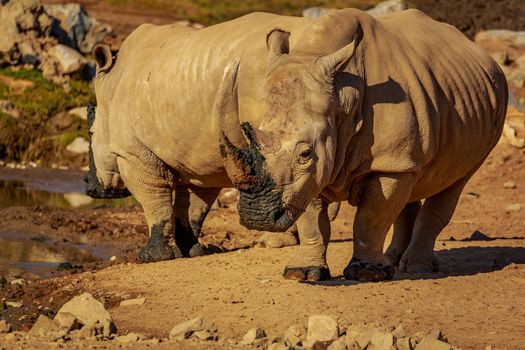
(305, 156)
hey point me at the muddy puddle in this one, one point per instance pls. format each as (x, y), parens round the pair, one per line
(35, 257)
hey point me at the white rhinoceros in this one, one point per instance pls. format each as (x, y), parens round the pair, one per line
(380, 112)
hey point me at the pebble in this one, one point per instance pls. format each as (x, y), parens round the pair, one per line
(337, 345)
(509, 185)
(129, 338)
(4, 327)
(252, 335)
(18, 281)
(133, 302)
(513, 207)
(322, 328)
(113, 258)
(294, 335)
(14, 304)
(186, 329)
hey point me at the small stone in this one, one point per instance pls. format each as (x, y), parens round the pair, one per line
(438, 335)
(404, 344)
(252, 335)
(70, 61)
(204, 335)
(133, 302)
(381, 340)
(509, 185)
(278, 346)
(129, 338)
(185, 330)
(4, 327)
(47, 328)
(337, 345)
(90, 313)
(513, 207)
(429, 343)
(113, 258)
(78, 146)
(80, 112)
(399, 332)
(276, 240)
(18, 281)
(14, 304)
(65, 266)
(479, 236)
(322, 328)
(294, 335)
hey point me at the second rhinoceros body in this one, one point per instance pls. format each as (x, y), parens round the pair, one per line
(298, 113)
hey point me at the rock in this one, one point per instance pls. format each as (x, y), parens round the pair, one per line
(405, 343)
(133, 302)
(67, 321)
(4, 327)
(429, 343)
(399, 332)
(77, 200)
(61, 121)
(65, 266)
(278, 346)
(185, 330)
(276, 240)
(512, 37)
(381, 340)
(252, 335)
(513, 207)
(69, 60)
(18, 281)
(78, 146)
(80, 112)
(509, 185)
(73, 26)
(9, 108)
(204, 335)
(316, 12)
(337, 345)
(14, 304)
(388, 7)
(294, 335)
(479, 236)
(510, 136)
(47, 329)
(90, 313)
(227, 197)
(322, 328)
(129, 338)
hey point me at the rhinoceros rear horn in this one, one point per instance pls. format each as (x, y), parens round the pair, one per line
(233, 144)
(103, 55)
(336, 61)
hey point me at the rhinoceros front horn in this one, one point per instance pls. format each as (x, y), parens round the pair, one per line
(233, 144)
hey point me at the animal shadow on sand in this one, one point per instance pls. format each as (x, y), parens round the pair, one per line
(464, 261)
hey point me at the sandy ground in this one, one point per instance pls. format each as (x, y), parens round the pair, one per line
(476, 298)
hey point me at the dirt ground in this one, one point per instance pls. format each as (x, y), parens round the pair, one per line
(476, 298)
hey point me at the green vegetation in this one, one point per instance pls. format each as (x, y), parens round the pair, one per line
(30, 137)
(211, 11)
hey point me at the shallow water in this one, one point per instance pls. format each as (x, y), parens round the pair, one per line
(39, 256)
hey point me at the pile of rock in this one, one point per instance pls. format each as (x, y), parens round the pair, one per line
(381, 9)
(50, 38)
(508, 50)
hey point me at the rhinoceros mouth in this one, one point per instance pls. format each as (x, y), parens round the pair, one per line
(94, 188)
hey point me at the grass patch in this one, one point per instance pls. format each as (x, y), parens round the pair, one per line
(211, 12)
(30, 137)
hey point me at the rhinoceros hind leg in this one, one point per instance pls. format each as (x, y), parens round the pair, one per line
(309, 263)
(157, 248)
(403, 228)
(358, 270)
(191, 207)
(432, 218)
(308, 273)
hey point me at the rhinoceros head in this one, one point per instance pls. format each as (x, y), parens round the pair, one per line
(281, 166)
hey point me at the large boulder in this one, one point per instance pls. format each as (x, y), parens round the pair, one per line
(72, 26)
(69, 60)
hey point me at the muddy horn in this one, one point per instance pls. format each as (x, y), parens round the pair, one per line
(233, 144)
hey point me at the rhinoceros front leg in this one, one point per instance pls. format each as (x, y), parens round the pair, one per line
(403, 228)
(192, 205)
(314, 234)
(384, 196)
(152, 188)
(432, 218)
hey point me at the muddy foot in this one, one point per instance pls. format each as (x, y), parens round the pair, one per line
(368, 272)
(156, 249)
(201, 250)
(308, 273)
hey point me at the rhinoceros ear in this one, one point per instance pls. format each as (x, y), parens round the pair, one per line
(102, 54)
(336, 61)
(277, 43)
